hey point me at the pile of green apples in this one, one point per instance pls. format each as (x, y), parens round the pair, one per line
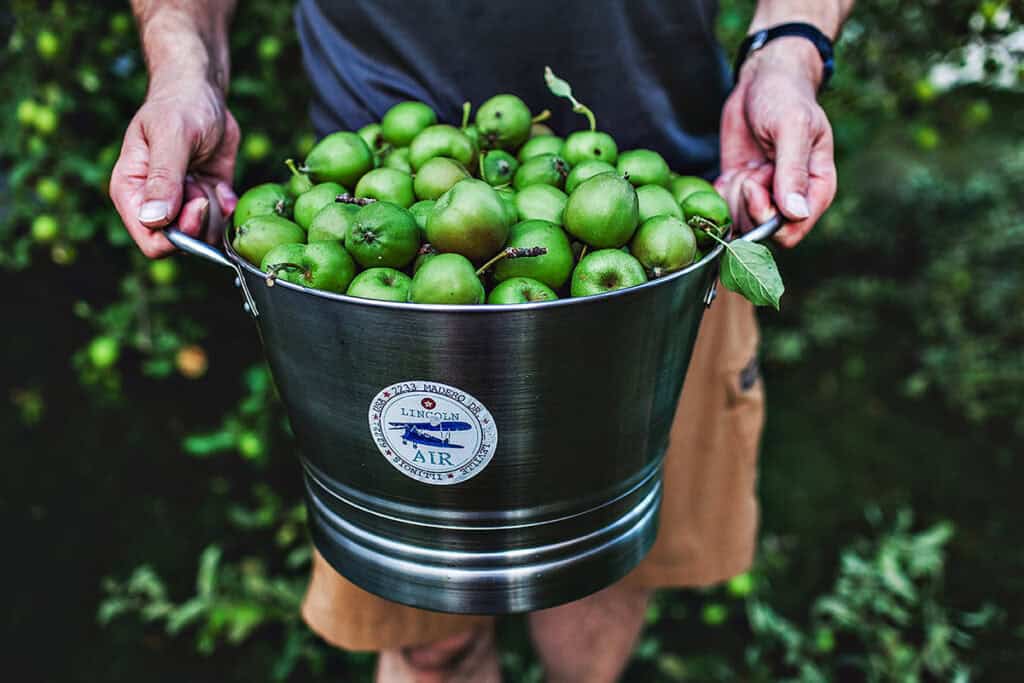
(498, 210)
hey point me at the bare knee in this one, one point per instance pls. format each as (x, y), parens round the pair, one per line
(464, 657)
(446, 654)
(590, 639)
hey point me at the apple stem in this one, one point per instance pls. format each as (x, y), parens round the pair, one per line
(467, 107)
(581, 109)
(541, 117)
(512, 252)
(276, 269)
(583, 251)
(290, 163)
(480, 161)
(346, 198)
(710, 228)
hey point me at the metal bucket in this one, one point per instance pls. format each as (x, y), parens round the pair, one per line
(480, 459)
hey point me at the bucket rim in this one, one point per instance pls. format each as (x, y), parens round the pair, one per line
(243, 264)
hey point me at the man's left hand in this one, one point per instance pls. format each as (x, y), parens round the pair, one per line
(776, 141)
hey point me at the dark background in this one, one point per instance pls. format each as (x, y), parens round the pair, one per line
(149, 496)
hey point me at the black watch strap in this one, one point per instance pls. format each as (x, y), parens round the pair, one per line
(755, 41)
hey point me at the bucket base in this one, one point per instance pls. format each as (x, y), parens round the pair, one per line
(494, 582)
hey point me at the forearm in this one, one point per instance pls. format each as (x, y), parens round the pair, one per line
(185, 40)
(827, 15)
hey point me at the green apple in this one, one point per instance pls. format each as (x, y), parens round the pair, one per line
(520, 290)
(584, 170)
(436, 176)
(606, 270)
(308, 204)
(664, 244)
(383, 235)
(340, 157)
(446, 279)
(404, 121)
(589, 144)
(504, 122)
(552, 268)
(643, 167)
(542, 202)
(384, 284)
(441, 140)
(469, 219)
(332, 222)
(387, 184)
(258, 235)
(268, 198)
(543, 144)
(321, 265)
(544, 169)
(708, 214)
(498, 167)
(655, 200)
(683, 186)
(603, 211)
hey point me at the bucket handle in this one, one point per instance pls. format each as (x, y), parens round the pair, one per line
(190, 245)
(761, 232)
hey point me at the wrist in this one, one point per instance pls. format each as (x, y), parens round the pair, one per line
(791, 55)
(172, 81)
(178, 53)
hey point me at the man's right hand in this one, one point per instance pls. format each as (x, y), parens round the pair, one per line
(179, 150)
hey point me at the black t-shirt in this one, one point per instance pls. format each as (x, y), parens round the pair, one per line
(650, 69)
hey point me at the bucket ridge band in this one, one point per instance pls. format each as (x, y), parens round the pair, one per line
(321, 479)
(446, 585)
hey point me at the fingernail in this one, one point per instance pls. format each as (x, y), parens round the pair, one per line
(796, 205)
(745, 188)
(766, 213)
(154, 210)
(226, 196)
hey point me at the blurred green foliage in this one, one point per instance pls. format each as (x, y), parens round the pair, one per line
(912, 282)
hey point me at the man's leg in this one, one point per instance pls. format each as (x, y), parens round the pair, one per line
(468, 657)
(590, 640)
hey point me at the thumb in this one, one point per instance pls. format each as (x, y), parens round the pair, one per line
(792, 179)
(161, 196)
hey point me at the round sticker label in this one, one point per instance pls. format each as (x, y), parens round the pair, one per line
(432, 432)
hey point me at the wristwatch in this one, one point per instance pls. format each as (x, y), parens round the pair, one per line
(756, 41)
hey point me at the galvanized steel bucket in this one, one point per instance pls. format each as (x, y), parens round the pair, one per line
(480, 459)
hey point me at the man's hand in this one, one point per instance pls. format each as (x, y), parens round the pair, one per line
(179, 150)
(776, 141)
(185, 131)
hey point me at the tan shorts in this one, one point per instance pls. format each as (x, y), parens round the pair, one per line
(708, 513)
